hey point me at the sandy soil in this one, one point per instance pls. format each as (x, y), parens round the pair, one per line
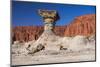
(44, 56)
(78, 48)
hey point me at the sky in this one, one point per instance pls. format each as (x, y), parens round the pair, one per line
(26, 13)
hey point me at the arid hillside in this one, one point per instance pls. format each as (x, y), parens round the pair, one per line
(82, 25)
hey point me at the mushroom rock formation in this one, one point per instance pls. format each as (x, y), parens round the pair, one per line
(48, 37)
(82, 25)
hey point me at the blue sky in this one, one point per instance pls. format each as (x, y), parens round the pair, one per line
(26, 14)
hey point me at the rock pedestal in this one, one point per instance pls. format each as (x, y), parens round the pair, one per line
(48, 40)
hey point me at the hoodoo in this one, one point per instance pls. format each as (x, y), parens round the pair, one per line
(48, 40)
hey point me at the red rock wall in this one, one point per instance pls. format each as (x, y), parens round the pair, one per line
(28, 33)
(82, 25)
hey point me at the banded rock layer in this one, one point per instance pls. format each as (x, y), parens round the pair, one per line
(82, 25)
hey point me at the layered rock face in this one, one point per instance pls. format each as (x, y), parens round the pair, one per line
(29, 33)
(26, 33)
(82, 25)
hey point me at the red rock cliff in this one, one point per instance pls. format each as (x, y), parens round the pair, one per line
(28, 33)
(82, 25)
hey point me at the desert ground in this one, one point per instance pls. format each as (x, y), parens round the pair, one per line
(53, 57)
(79, 48)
